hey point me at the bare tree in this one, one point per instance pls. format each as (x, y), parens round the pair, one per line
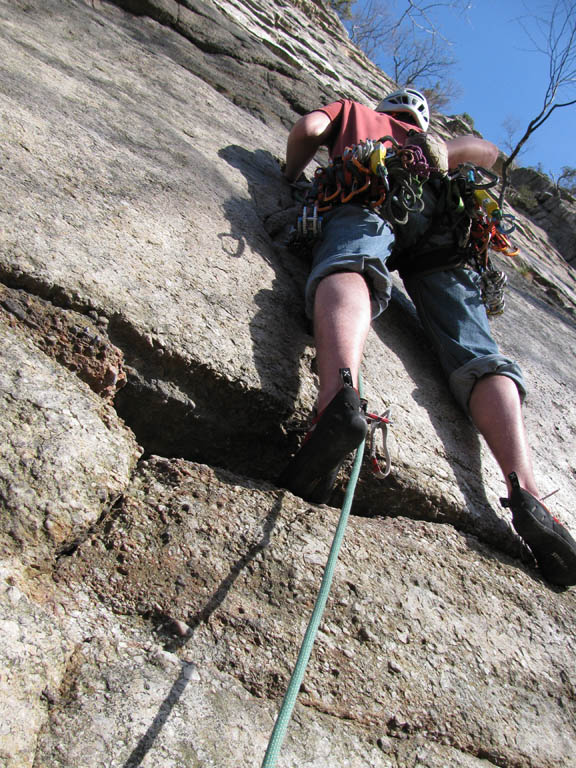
(553, 36)
(440, 95)
(567, 179)
(511, 126)
(410, 40)
(421, 14)
(370, 27)
(418, 59)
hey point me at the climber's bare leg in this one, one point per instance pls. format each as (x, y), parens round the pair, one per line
(496, 411)
(342, 318)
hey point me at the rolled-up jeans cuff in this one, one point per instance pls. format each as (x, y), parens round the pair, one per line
(463, 379)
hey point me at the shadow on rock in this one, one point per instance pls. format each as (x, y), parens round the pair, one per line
(279, 329)
(400, 330)
(147, 740)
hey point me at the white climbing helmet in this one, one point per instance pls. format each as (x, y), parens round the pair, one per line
(407, 100)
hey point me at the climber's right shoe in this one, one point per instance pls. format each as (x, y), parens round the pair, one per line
(551, 544)
(338, 430)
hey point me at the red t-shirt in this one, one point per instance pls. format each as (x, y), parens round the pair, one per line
(356, 123)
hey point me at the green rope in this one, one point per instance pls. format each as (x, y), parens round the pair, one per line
(285, 713)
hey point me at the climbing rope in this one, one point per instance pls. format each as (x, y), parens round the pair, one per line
(289, 701)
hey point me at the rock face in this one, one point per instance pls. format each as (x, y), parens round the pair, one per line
(552, 209)
(157, 371)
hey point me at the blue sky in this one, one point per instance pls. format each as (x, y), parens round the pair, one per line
(500, 77)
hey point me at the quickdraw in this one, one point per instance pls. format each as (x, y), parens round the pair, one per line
(487, 231)
(379, 423)
(387, 179)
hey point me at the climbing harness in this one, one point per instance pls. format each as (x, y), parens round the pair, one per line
(440, 219)
(386, 179)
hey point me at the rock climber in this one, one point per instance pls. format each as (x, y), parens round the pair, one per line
(349, 284)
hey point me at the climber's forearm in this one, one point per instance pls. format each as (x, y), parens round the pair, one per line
(471, 149)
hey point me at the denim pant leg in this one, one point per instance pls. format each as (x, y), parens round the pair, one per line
(450, 308)
(354, 239)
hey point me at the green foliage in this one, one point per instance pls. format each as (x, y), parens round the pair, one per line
(523, 197)
(342, 7)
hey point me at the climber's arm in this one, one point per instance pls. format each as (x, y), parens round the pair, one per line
(304, 140)
(471, 149)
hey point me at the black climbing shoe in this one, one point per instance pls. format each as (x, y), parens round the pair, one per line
(339, 429)
(552, 546)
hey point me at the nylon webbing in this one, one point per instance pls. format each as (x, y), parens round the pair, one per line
(285, 713)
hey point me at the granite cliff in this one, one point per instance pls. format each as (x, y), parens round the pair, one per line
(157, 372)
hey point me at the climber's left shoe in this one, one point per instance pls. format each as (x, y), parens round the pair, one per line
(336, 432)
(550, 542)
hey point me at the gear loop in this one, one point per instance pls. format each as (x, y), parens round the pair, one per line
(462, 219)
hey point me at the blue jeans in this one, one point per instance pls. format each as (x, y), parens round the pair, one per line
(354, 240)
(448, 303)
